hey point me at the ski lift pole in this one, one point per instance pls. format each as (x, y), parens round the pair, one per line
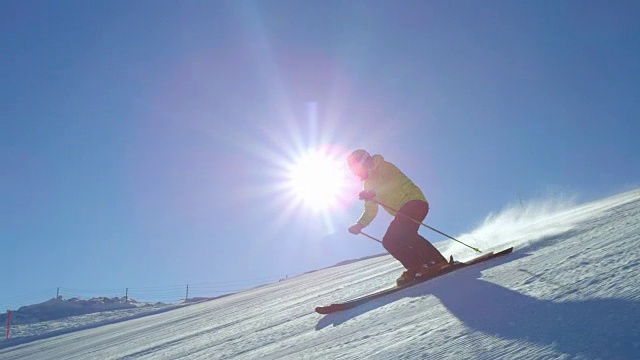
(8, 323)
(425, 225)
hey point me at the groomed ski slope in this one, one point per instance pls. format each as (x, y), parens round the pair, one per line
(571, 289)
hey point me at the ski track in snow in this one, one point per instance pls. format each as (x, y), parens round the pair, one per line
(570, 290)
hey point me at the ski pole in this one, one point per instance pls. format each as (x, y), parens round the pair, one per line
(425, 225)
(370, 237)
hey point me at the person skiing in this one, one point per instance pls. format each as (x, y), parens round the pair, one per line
(383, 182)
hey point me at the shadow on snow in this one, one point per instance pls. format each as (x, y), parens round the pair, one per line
(601, 328)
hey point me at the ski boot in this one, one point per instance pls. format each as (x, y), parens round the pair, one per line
(430, 269)
(407, 277)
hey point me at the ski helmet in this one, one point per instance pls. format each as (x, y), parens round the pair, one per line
(357, 157)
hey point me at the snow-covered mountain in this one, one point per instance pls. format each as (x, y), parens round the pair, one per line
(571, 289)
(61, 308)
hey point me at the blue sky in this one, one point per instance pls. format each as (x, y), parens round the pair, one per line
(144, 143)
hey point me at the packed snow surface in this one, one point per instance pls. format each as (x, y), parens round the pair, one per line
(570, 290)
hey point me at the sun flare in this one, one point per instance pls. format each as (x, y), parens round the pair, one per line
(317, 179)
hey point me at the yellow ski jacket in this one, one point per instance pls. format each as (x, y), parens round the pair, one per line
(391, 187)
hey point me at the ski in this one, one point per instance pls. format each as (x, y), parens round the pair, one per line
(445, 270)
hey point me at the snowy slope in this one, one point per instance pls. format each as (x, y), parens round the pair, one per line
(29, 327)
(570, 290)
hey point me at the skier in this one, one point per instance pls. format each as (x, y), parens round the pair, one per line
(384, 182)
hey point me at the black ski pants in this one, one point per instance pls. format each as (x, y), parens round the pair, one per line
(403, 241)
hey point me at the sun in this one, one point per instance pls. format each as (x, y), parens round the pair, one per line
(317, 179)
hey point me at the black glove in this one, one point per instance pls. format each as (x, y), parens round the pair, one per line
(355, 229)
(367, 195)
